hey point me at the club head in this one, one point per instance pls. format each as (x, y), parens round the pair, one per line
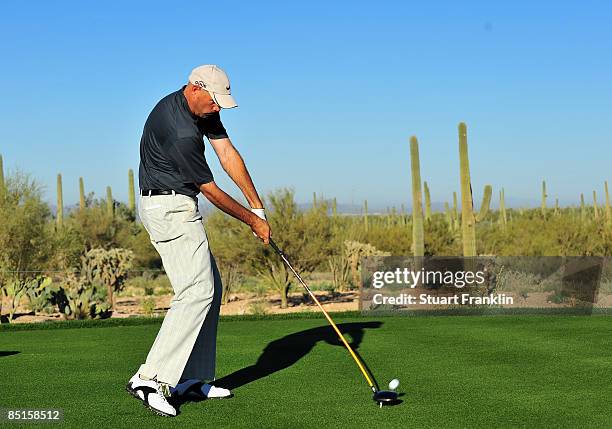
(385, 397)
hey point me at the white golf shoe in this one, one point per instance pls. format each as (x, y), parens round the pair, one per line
(152, 394)
(200, 389)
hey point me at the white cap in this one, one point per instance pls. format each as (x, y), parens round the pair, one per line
(214, 80)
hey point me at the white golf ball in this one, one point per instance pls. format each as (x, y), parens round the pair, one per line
(393, 384)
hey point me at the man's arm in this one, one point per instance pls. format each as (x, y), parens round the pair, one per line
(233, 208)
(234, 166)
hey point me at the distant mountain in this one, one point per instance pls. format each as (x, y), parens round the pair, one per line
(355, 209)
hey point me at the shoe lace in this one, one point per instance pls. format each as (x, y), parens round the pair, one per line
(163, 389)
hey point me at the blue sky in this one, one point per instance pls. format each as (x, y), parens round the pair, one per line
(329, 92)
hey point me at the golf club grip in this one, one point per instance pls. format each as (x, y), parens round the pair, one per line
(275, 247)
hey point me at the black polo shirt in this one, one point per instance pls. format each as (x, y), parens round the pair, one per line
(172, 146)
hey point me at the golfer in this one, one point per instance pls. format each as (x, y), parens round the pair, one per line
(173, 170)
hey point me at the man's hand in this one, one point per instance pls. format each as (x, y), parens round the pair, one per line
(261, 229)
(223, 201)
(261, 213)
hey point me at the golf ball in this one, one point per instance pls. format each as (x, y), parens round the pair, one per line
(393, 384)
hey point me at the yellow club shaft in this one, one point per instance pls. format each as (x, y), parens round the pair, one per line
(327, 316)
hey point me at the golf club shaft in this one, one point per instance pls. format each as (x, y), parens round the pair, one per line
(327, 316)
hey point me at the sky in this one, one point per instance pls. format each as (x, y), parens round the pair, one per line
(329, 93)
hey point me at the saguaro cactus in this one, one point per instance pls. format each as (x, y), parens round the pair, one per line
(1, 173)
(455, 211)
(486, 202)
(334, 208)
(81, 194)
(449, 216)
(365, 215)
(468, 224)
(60, 202)
(556, 206)
(468, 220)
(595, 208)
(427, 201)
(502, 208)
(110, 205)
(608, 209)
(394, 216)
(131, 193)
(418, 235)
(582, 208)
(543, 205)
(314, 200)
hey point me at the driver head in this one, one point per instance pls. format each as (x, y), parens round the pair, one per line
(385, 396)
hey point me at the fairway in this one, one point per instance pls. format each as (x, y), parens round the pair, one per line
(499, 371)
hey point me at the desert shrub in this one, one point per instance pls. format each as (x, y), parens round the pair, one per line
(531, 235)
(341, 269)
(513, 281)
(355, 251)
(440, 240)
(303, 236)
(148, 306)
(147, 284)
(257, 308)
(25, 243)
(232, 244)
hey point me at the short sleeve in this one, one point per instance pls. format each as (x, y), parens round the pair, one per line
(212, 127)
(187, 154)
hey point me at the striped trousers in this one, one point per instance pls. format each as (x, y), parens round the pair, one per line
(185, 346)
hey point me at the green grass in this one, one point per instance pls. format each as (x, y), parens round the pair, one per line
(486, 371)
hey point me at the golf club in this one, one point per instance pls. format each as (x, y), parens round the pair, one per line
(380, 396)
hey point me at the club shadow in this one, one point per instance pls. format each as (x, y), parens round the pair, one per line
(8, 353)
(286, 351)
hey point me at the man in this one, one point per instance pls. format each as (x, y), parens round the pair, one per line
(173, 170)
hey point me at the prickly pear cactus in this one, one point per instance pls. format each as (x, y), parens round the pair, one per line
(107, 267)
(81, 299)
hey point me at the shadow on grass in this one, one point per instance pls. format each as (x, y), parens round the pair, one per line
(8, 353)
(286, 351)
